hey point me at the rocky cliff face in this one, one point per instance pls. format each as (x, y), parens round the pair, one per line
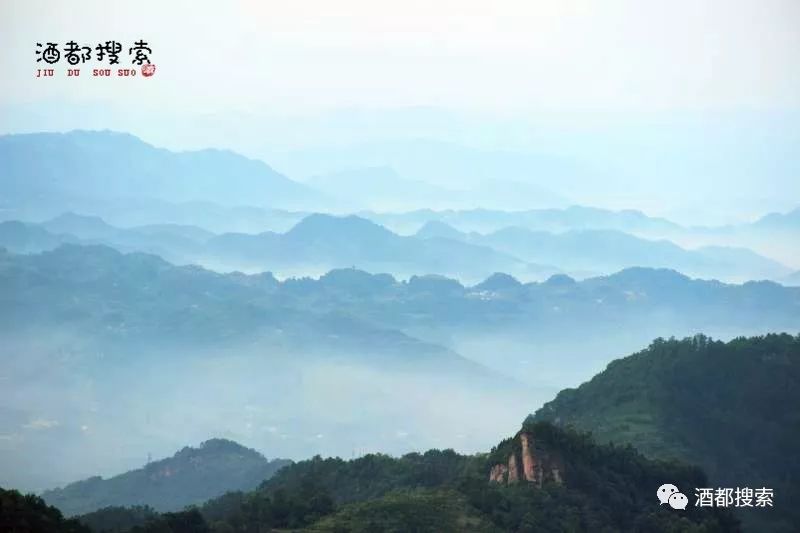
(527, 462)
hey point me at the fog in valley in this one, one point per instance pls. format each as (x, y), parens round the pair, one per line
(353, 236)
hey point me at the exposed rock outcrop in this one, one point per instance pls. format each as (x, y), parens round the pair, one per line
(513, 469)
(527, 461)
(498, 473)
(527, 457)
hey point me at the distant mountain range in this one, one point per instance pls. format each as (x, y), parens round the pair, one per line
(128, 182)
(99, 290)
(694, 401)
(97, 166)
(486, 178)
(678, 402)
(600, 251)
(321, 242)
(318, 243)
(191, 476)
(382, 189)
(551, 220)
(775, 235)
(792, 279)
(107, 339)
(99, 335)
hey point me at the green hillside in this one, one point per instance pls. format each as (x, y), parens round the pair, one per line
(733, 408)
(30, 514)
(599, 488)
(191, 476)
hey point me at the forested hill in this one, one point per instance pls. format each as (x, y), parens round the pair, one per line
(733, 408)
(27, 513)
(598, 488)
(191, 476)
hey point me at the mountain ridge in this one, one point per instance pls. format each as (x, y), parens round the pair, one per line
(190, 476)
(46, 168)
(711, 403)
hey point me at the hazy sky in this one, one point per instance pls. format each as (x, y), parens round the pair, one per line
(497, 55)
(666, 103)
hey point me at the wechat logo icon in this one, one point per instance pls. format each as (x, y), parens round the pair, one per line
(673, 497)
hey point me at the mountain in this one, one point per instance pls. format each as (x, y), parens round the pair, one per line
(774, 236)
(86, 227)
(96, 284)
(601, 251)
(111, 296)
(321, 242)
(486, 178)
(93, 339)
(179, 243)
(562, 481)
(178, 231)
(789, 222)
(22, 237)
(93, 229)
(715, 404)
(315, 244)
(48, 168)
(381, 188)
(551, 220)
(191, 476)
(792, 279)
(436, 229)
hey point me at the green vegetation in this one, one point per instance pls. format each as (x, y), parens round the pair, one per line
(30, 514)
(115, 518)
(731, 408)
(189, 521)
(423, 511)
(605, 488)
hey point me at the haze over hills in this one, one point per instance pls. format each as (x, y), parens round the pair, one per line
(671, 161)
(546, 219)
(484, 177)
(190, 477)
(382, 189)
(129, 182)
(792, 279)
(318, 243)
(46, 169)
(774, 235)
(663, 399)
(93, 338)
(134, 340)
(313, 246)
(544, 474)
(321, 242)
(463, 317)
(556, 480)
(600, 251)
(334, 233)
(714, 404)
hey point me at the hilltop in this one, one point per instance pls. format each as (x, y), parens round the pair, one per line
(191, 476)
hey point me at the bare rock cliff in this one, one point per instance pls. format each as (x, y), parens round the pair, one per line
(527, 462)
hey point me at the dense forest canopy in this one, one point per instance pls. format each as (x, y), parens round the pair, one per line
(730, 407)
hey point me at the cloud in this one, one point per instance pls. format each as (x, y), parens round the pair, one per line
(41, 423)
